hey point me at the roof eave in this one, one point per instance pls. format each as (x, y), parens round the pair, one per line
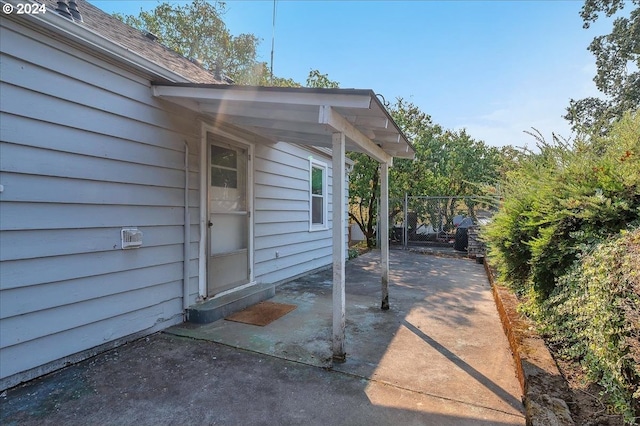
(299, 111)
(400, 132)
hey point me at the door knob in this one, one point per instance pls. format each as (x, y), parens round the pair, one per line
(209, 224)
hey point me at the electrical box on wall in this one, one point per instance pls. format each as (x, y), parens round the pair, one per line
(131, 238)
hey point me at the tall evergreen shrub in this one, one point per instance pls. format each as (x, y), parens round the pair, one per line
(562, 198)
(567, 237)
(593, 317)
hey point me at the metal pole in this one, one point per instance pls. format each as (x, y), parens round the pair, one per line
(383, 220)
(273, 40)
(405, 231)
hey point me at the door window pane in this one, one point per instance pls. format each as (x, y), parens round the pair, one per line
(224, 167)
(228, 177)
(224, 157)
(223, 178)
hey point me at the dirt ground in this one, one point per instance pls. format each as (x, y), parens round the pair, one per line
(587, 406)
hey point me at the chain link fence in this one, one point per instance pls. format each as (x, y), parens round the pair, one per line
(423, 220)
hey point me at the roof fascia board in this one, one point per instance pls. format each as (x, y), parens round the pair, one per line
(74, 32)
(329, 153)
(376, 122)
(330, 117)
(187, 103)
(261, 95)
(395, 126)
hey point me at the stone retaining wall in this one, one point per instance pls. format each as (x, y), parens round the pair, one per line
(544, 388)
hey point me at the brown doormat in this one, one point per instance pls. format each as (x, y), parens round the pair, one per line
(261, 314)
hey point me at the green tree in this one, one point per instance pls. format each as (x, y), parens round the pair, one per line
(196, 30)
(364, 186)
(364, 193)
(446, 163)
(418, 176)
(265, 79)
(618, 68)
(318, 80)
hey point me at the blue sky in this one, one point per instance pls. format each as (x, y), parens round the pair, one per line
(496, 68)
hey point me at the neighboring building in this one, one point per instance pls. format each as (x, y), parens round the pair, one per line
(134, 185)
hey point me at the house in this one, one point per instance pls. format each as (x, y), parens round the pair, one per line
(135, 186)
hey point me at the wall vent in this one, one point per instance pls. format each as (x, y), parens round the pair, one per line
(63, 9)
(131, 238)
(75, 12)
(151, 36)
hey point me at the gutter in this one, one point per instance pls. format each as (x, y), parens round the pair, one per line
(95, 42)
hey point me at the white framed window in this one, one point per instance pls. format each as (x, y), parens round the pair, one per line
(318, 195)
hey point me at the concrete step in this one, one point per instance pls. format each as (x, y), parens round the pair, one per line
(223, 306)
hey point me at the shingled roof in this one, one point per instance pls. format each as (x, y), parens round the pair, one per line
(134, 40)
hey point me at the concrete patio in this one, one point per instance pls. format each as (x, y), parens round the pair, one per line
(442, 336)
(437, 357)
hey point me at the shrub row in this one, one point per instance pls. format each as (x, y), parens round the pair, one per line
(594, 317)
(555, 241)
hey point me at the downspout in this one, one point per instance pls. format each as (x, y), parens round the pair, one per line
(187, 232)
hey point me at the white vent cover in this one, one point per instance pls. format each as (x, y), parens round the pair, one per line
(131, 238)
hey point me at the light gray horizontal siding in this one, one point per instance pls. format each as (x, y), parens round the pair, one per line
(286, 216)
(86, 150)
(48, 189)
(280, 169)
(38, 324)
(39, 79)
(43, 49)
(292, 268)
(19, 358)
(281, 217)
(281, 193)
(266, 229)
(20, 216)
(27, 131)
(271, 204)
(43, 107)
(275, 181)
(75, 291)
(313, 249)
(31, 272)
(28, 244)
(286, 238)
(48, 162)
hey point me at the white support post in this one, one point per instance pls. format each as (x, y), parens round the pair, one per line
(339, 243)
(384, 233)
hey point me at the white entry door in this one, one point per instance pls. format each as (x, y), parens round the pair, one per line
(229, 215)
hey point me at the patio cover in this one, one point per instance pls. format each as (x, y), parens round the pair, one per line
(305, 116)
(340, 119)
